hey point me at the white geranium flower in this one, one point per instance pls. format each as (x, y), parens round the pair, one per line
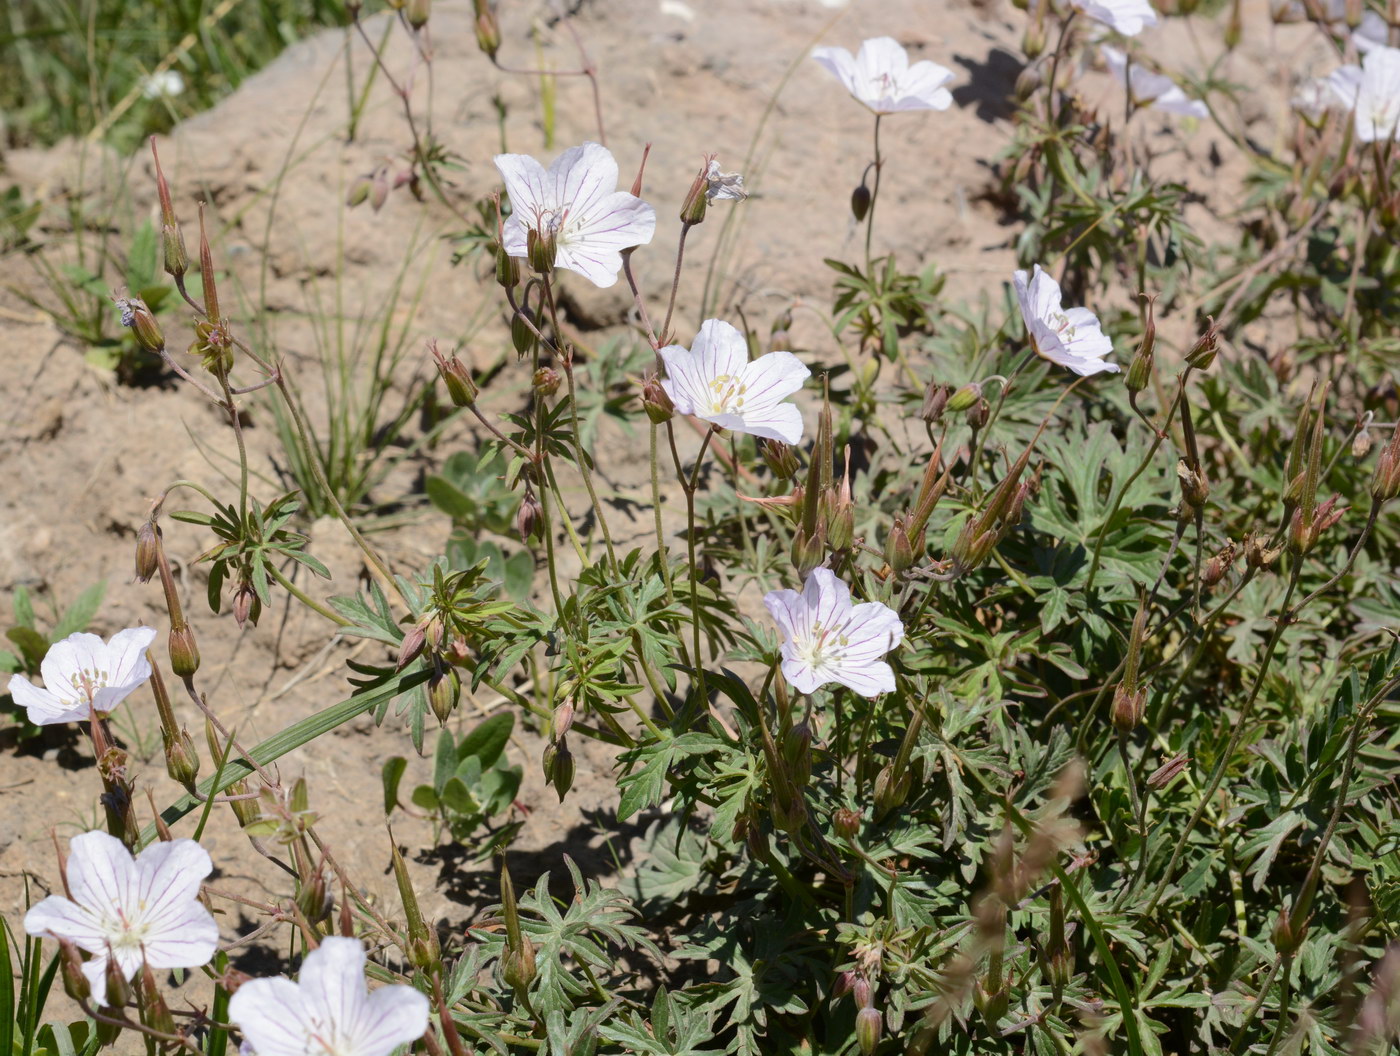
(1129, 17)
(714, 381)
(328, 1011)
(1069, 337)
(1149, 88)
(1371, 92)
(881, 77)
(721, 186)
(83, 674)
(827, 639)
(576, 199)
(166, 84)
(129, 911)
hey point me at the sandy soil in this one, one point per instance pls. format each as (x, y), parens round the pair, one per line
(82, 456)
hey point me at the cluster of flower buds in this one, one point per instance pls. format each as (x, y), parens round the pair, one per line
(869, 1022)
(557, 761)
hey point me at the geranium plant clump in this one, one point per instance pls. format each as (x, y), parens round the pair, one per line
(979, 679)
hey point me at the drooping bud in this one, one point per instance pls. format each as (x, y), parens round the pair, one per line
(379, 189)
(524, 326)
(563, 720)
(546, 381)
(143, 325)
(869, 1024)
(1202, 353)
(312, 897)
(936, 398)
(1288, 934)
(75, 983)
(412, 646)
(147, 551)
(696, 200)
(808, 551)
(184, 651)
(891, 791)
(1128, 707)
(780, 458)
(507, 269)
(656, 402)
(358, 194)
(461, 389)
(861, 991)
(561, 774)
(899, 552)
(417, 12)
(541, 247)
(246, 605)
(245, 810)
(1140, 370)
(118, 990)
(964, 398)
(979, 414)
(846, 823)
(181, 759)
(488, 30)
(1385, 480)
(529, 517)
(444, 691)
(797, 753)
(1361, 444)
(860, 201)
(845, 982)
(780, 333)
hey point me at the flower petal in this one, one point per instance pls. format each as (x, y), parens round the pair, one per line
(271, 1013)
(392, 1016)
(841, 63)
(333, 980)
(127, 656)
(42, 707)
(68, 662)
(583, 176)
(683, 382)
(59, 918)
(101, 874)
(181, 932)
(868, 679)
(802, 676)
(719, 350)
(788, 609)
(526, 184)
(781, 422)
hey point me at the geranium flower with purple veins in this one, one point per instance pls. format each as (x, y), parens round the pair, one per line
(1129, 17)
(577, 201)
(83, 674)
(328, 1011)
(827, 639)
(1068, 337)
(1150, 88)
(881, 77)
(714, 381)
(127, 910)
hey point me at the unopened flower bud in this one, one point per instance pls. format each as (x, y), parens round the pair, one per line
(797, 753)
(845, 982)
(417, 12)
(412, 646)
(1219, 565)
(964, 398)
(1033, 46)
(656, 402)
(546, 381)
(1361, 444)
(1289, 934)
(529, 517)
(1202, 353)
(444, 691)
(461, 389)
(869, 1024)
(1164, 774)
(142, 324)
(118, 990)
(780, 458)
(184, 651)
(562, 773)
(379, 189)
(860, 201)
(488, 31)
(846, 823)
(1128, 708)
(75, 983)
(313, 899)
(181, 759)
(693, 209)
(563, 720)
(808, 551)
(890, 791)
(1385, 481)
(523, 332)
(246, 605)
(147, 551)
(979, 414)
(861, 991)
(518, 965)
(507, 269)
(541, 247)
(936, 398)
(899, 552)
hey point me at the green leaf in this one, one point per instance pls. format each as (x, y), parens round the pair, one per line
(24, 607)
(32, 645)
(426, 798)
(488, 740)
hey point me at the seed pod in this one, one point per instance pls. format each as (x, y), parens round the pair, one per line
(147, 551)
(846, 823)
(546, 380)
(696, 200)
(444, 691)
(518, 965)
(869, 1024)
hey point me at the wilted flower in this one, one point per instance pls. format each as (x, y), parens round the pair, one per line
(1149, 88)
(328, 1010)
(131, 910)
(1069, 337)
(723, 186)
(1129, 17)
(714, 381)
(83, 674)
(1371, 92)
(827, 639)
(576, 202)
(881, 77)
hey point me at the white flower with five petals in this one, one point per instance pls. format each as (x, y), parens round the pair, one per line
(576, 199)
(714, 381)
(1371, 92)
(131, 910)
(328, 1011)
(83, 674)
(881, 77)
(827, 639)
(1129, 17)
(1150, 88)
(1069, 337)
